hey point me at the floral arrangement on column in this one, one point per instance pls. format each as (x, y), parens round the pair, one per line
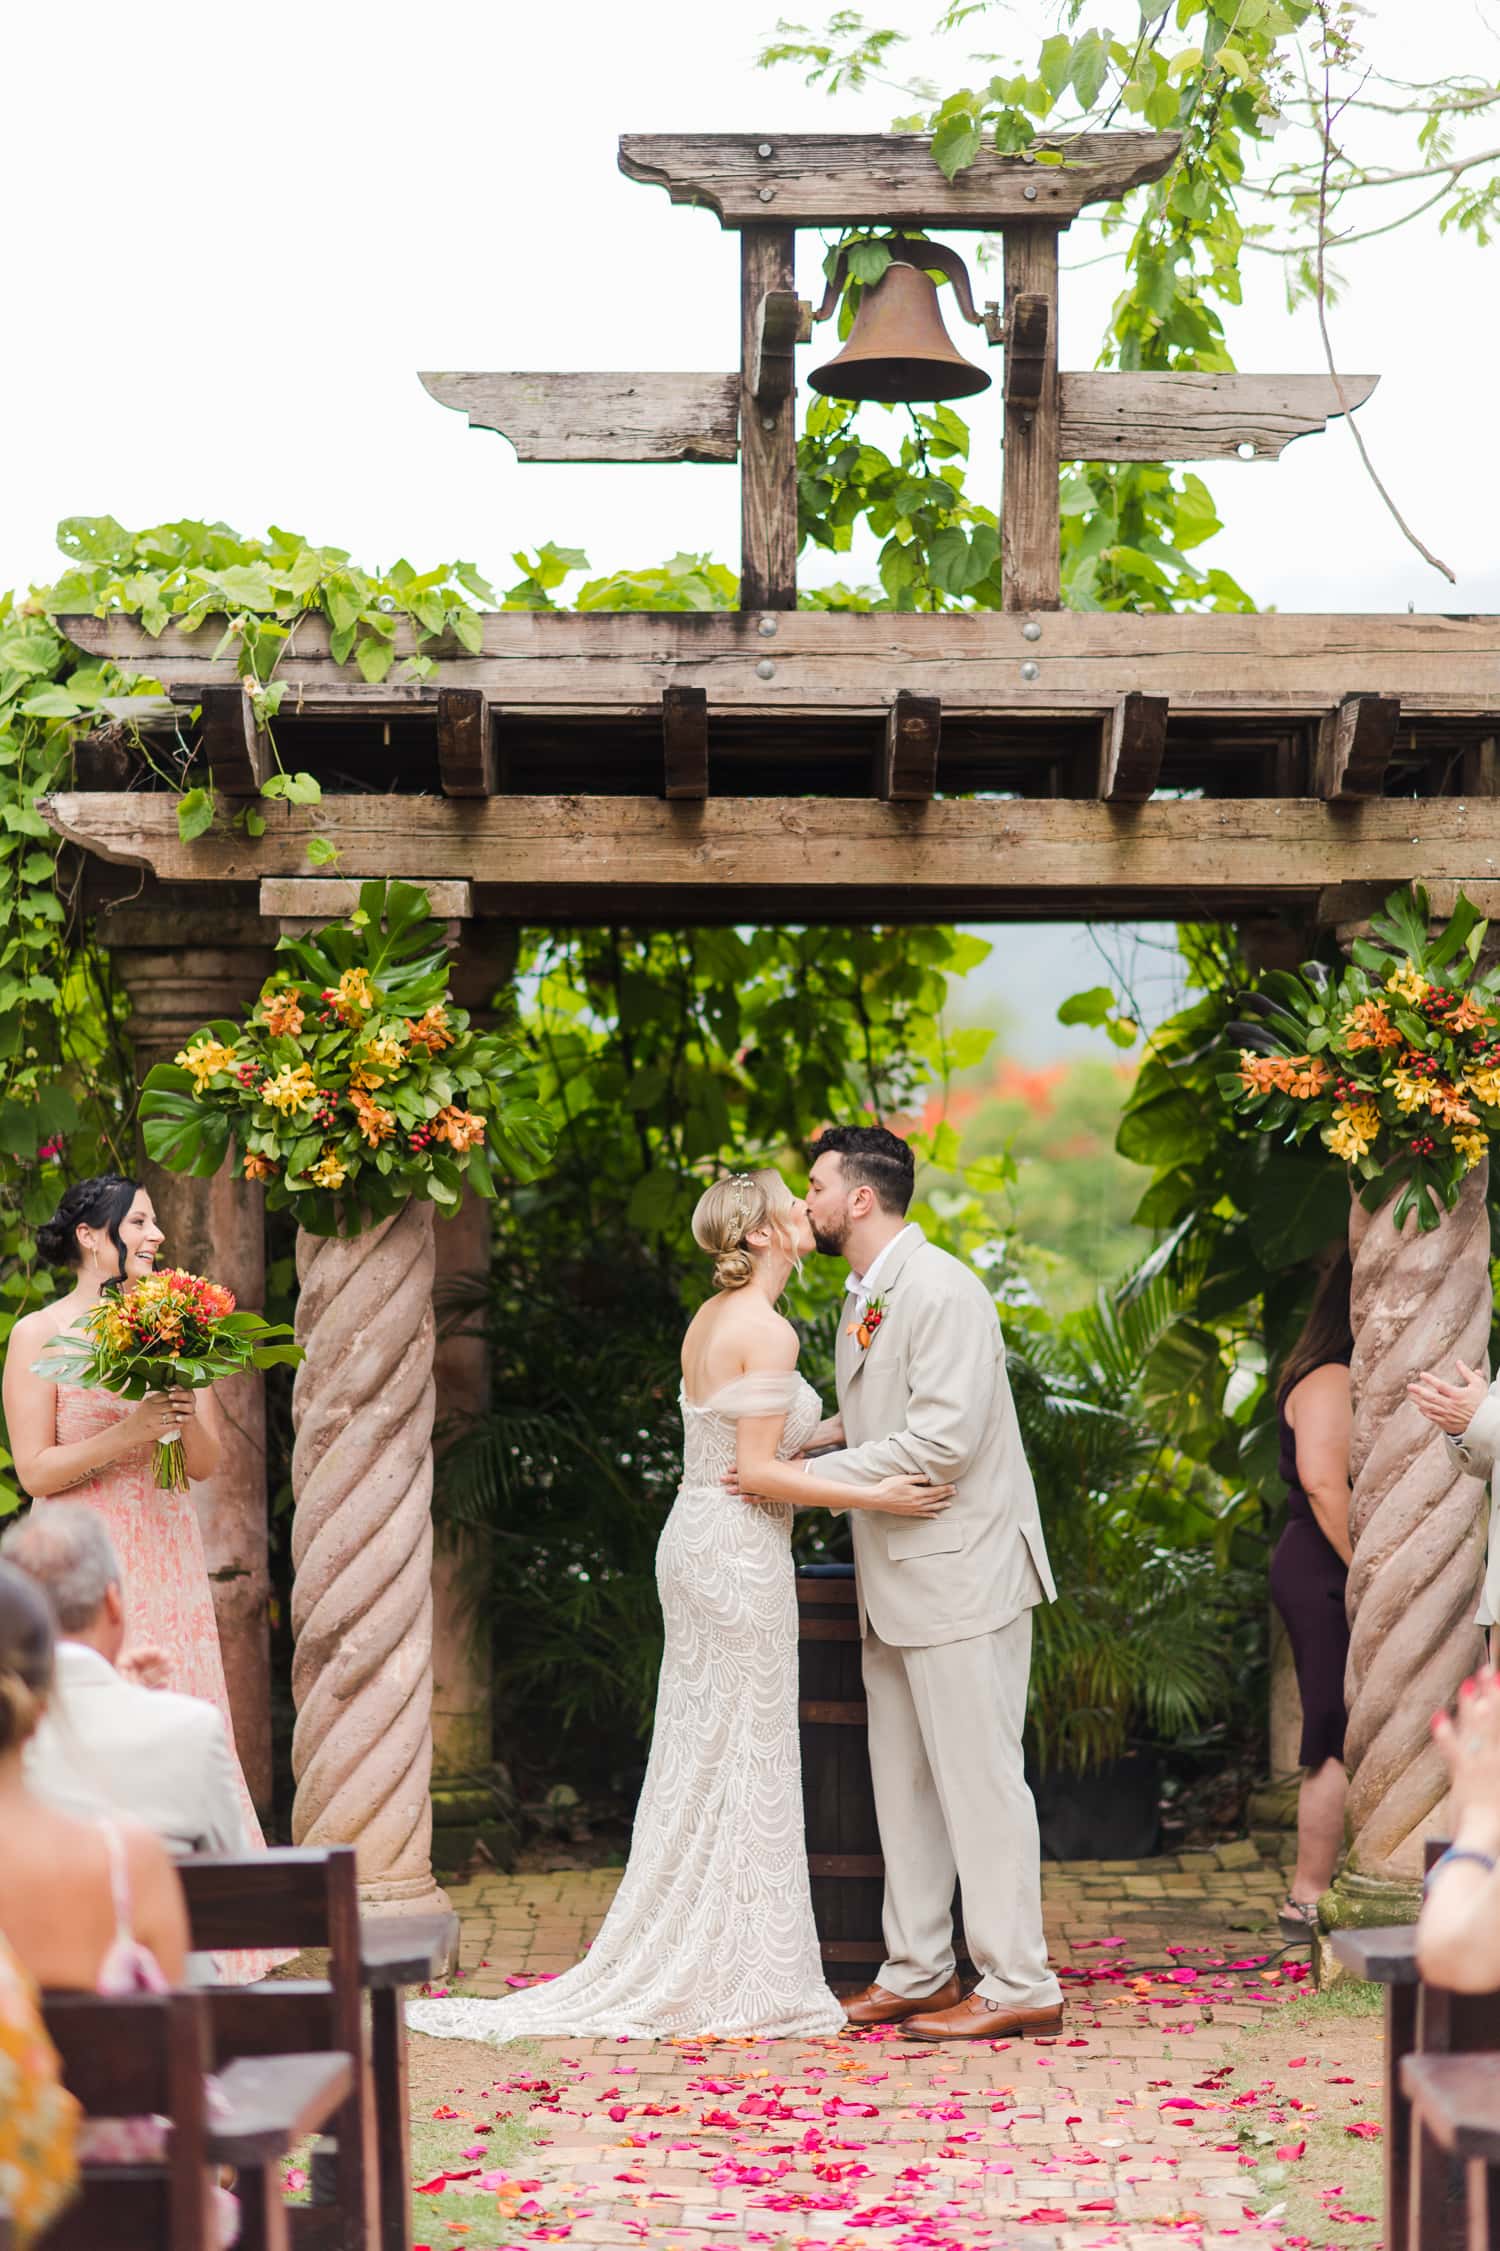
(1393, 1061)
(355, 1085)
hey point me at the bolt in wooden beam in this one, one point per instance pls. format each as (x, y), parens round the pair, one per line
(684, 736)
(768, 434)
(1130, 751)
(238, 751)
(1354, 747)
(467, 761)
(1030, 525)
(906, 765)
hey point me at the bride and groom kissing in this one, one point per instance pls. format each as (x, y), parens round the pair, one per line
(711, 1931)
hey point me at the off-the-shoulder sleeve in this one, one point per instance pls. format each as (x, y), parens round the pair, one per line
(762, 1392)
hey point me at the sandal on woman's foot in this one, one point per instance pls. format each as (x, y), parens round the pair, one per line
(1298, 1918)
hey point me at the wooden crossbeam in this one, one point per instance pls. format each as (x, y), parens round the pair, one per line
(750, 851)
(1130, 752)
(466, 744)
(684, 735)
(1111, 416)
(838, 179)
(906, 768)
(1354, 747)
(1276, 665)
(599, 417)
(238, 752)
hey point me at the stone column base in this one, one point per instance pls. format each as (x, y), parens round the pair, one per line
(1360, 1903)
(403, 1895)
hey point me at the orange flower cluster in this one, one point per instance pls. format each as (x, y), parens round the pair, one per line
(461, 1129)
(1369, 1025)
(1296, 1075)
(258, 1167)
(376, 1123)
(283, 1014)
(430, 1031)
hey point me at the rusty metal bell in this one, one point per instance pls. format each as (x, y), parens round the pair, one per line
(898, 350)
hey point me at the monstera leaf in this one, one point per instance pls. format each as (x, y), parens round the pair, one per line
(181, 1133)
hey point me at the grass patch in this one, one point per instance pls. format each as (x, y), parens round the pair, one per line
(1325, 2051)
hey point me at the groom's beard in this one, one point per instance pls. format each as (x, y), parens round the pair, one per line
(830, 1240)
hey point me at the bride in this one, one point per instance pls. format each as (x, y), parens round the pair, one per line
(711, 1931)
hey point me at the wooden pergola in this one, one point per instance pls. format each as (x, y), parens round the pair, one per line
(777, 763)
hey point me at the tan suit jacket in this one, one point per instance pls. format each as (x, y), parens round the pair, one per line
(930, 1396)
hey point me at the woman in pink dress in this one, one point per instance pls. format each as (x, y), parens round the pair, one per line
(93, 1447)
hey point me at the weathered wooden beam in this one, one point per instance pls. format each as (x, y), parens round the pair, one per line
(1030, 526)
(1479, 768)
(839, 179)
(1185, 416)
(604, 417)
(1274, 665)
(684, 737)
(772, 366)
(312, 900)
(768, 434)
(1130, 752)
(1354, 746)
(239, 753)
(906, 766)
(466, 744)
(757, 849)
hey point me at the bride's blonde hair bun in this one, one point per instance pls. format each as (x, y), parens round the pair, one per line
(732, 1209)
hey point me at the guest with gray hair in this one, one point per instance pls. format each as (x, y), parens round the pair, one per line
(108, 1743)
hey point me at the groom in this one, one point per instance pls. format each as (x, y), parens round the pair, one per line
(944, 1605)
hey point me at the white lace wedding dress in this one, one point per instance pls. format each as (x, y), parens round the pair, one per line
(711, 1930)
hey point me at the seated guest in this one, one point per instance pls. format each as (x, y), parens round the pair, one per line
(1458, 1931)
(86, 1906)
(1308, 1574)
(107, 1743)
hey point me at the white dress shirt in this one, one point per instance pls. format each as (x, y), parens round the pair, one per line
(862, 1287)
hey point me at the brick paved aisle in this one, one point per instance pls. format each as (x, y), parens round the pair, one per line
(1121, 2130)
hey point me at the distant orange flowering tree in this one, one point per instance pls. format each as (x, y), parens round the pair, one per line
(355, 1085)
(1394, 1062)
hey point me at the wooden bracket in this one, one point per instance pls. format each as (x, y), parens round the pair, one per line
(238, 751)
(906, 769)
(1354, 747)
(1028, 332)
(605, 417)
(684, 739)
(771, 374)
(1130, 752)
(467, 760)
(1183, 415)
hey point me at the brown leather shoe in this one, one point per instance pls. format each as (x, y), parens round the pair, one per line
(877, 2005)
(979, 2019)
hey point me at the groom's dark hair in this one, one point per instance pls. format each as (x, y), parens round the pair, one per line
(871, 1156)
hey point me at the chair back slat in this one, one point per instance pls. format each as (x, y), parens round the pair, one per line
(283, 2017)
(118, 2208)
(277, 1898)
(127, 2056)
(113, 2052)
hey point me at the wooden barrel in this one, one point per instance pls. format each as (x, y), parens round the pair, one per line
(843, 1844)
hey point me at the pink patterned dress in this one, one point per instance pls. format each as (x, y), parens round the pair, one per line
(169, 1603)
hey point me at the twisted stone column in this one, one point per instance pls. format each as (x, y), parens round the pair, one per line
(1418, 1527)
(362, 1410)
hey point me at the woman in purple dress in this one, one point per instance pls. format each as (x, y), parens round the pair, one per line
(1308, 1574)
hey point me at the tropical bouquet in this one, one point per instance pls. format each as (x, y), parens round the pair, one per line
(356, 1084)
(1394, 1061)
(170, 1329)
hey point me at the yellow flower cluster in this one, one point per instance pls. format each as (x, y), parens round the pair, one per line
(354, 989)
(377, 1059)
(1485, 1087)
(1410, 1093)
(292, 1089)
(205, 1060)
(116, 1327)
(1354, 1134)
(1408, 981)
(330, 1171)
(1471, 1147)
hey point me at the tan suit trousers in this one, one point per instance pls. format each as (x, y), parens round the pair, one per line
(952, 1802)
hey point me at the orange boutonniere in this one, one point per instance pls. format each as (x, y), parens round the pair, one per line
(864, 1329)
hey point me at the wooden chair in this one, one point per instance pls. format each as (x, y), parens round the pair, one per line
(147, 2054)
(309, 1898)
(1455, 2106)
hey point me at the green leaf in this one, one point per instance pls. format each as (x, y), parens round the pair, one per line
(51, 703)
(195, 814)
(956, 143)
(867, 261)
(321, 852)
(1092, 1007)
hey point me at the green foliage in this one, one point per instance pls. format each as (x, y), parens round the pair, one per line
(350, 1089)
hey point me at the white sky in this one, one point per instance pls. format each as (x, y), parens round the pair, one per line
(255, 225)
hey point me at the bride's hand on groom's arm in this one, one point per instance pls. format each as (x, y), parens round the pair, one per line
(892, 1496)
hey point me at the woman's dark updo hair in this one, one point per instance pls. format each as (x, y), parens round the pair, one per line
(26, 1638)
(100, 1202)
